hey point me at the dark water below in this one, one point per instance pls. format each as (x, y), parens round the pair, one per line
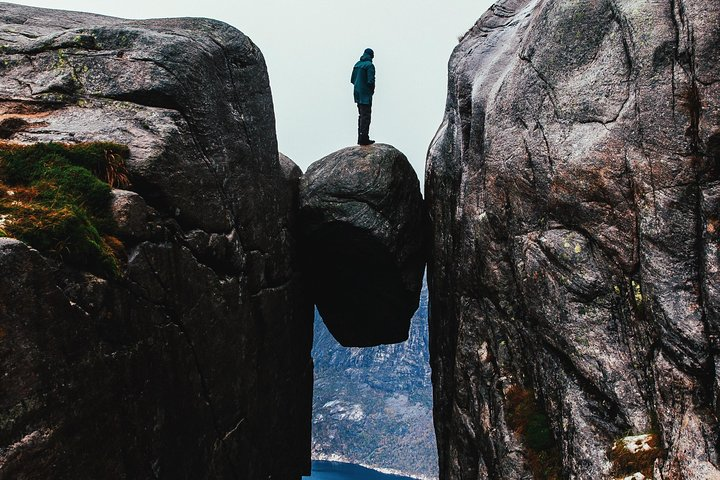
(347, 471)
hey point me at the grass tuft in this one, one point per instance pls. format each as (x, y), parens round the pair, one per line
(56, 198)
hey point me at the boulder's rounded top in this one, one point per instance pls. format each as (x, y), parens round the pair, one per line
(7, 243)
(375, 154)
(371, 174)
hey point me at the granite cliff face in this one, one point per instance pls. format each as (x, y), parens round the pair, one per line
(573, 193)
(362, 220)
(196, 362)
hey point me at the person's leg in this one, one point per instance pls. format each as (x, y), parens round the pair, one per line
(360, 123)
(365, 112)
(367, 121)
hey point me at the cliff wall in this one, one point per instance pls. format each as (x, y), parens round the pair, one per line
(195, 361)
(573, 193)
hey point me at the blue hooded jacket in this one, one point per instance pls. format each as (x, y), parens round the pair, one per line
(363, 78)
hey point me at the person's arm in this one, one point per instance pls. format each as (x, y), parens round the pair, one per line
(353, 75)
(371, 77)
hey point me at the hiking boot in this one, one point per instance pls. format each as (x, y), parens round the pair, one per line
(365, 141)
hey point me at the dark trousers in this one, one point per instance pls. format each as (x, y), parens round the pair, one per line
(364, 112)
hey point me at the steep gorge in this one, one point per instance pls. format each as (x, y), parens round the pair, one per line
(573, 190)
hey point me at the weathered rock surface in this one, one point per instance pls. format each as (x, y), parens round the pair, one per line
(362, 219)
(573, 193)
(196, 364)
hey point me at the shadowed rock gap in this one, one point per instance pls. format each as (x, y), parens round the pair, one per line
(373, 406)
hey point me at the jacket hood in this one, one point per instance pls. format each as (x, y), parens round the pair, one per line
(367, 55)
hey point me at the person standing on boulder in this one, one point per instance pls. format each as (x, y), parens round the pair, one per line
(363, 79)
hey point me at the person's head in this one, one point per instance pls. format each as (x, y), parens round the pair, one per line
(369, 52)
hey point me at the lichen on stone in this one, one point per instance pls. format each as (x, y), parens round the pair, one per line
(634, 456)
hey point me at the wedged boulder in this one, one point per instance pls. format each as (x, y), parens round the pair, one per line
(573, 195)
(195, 363)
(362, 219)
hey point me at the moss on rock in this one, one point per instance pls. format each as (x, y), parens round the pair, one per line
(56, 198)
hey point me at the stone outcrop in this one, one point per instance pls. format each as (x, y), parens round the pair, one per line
(573, 193)
(362, 220)
(196, 362)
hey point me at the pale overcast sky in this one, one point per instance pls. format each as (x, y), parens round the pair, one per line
(310, 47)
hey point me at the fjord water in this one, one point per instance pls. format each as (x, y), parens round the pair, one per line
(347, 471)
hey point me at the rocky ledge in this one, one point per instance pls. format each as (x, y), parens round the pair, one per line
(362, 220)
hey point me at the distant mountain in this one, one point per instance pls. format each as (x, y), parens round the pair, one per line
(373, 406)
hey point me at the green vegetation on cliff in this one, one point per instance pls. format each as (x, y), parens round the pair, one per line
(56, 198)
